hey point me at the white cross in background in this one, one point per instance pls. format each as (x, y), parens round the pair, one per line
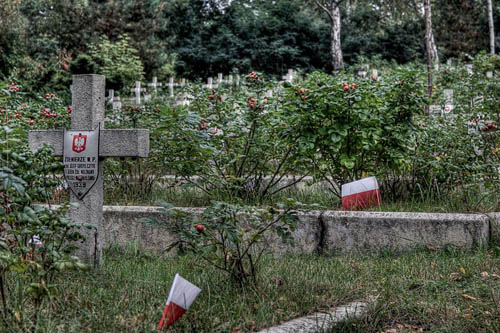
(155, 84)
(137, 90)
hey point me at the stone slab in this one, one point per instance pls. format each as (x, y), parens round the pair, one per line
(495, 224)
(365, 232)
(335, 232)
(121, 226)
(329, 231)
(113, 142)
(320, 322)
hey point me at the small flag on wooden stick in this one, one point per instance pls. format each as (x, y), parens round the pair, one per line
(181, 296)
(361, 194)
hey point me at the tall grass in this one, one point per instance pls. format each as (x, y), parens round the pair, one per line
(445, 291)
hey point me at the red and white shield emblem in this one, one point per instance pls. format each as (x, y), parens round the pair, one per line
(79, 142)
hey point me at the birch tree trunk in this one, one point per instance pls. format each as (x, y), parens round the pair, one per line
(336, 47)
(491, 27)
(434, 51)
(428, 47)
(332, 8)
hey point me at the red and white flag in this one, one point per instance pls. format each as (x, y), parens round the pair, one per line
(361, 194)
(182, 295)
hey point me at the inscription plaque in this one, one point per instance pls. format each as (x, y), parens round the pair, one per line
(81, 157)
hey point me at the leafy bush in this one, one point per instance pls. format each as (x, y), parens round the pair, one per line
(349, 127)
(118, 61)
(459, 151)
(228, 142)
(35, 242)
(230, 237)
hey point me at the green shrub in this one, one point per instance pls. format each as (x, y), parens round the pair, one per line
(230, 237)
(35, 242)
(349, 127)
(118, 61)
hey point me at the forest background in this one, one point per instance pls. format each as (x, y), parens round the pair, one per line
(44, 42)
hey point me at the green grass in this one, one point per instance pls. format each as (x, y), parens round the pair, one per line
(423, 289)
(460, 202)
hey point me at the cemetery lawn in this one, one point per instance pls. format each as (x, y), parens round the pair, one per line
(445, 291)
(463, 202)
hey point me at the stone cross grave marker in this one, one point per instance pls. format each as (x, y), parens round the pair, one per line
(111, 96)
(137, 90)
(155, 84)
(470, 69)
(362, 74)
(171, 86)
(290, 76)
(448, 100)
(88, 114)
(210, 84)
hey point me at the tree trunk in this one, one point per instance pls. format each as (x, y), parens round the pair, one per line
(336, 48)
(491, 27)
(428, 47)
(434, 51)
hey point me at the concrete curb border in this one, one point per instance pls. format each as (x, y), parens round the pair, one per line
(320, 322)
(327, 231)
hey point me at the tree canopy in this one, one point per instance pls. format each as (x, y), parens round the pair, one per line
(39, 39)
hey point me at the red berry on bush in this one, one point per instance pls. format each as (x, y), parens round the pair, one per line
(200, 227)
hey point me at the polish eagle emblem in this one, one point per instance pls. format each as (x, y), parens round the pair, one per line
(79, 142)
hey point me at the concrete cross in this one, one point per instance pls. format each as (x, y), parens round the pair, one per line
(362, 74)
(210, 84)
(155, 84)
(448, 96)
(171, 86)
(111, 96)
(137, 90)
(469, 68)
(88, 113)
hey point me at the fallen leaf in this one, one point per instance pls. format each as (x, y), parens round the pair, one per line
(495, 276)
(455, 276)
(485, 274)
(468, 297)
(431, 247)
(462, 270)
(17, 315)
(467, 315)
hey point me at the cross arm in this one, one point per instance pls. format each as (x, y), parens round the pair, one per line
(112, 142)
